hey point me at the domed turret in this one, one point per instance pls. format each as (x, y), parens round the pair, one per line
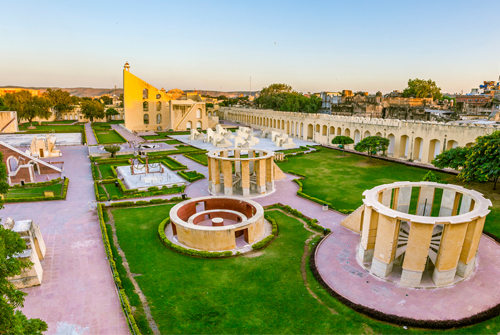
(127, 66)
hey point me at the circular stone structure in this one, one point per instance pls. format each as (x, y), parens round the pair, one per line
(248, 176)
(217, 223)
(443, 233)
(398, 271)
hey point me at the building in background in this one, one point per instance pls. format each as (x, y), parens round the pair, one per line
(327, 100)
(147, 108)
(5, 90)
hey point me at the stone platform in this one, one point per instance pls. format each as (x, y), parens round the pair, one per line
(337, 265)
(154, 178)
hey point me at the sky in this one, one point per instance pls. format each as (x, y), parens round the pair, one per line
(218, 45)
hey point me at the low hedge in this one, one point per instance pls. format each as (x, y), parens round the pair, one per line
(124, 299)
(191, 179)
(62, 196)
(182, 250)
(312, 223)
(195, 159)
(112, 161)
(268, 239)
(173, 164)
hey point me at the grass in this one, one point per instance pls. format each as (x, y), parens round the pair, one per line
(49, 128)
(172, 142)
(290, 151)
(180, 149)
(199, 157)
(251, 295)
(108, 137)
(341, 180)
(29, 192)
(164, 135)
(105, 170)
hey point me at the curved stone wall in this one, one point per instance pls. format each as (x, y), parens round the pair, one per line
(193, 226)
(445, 242)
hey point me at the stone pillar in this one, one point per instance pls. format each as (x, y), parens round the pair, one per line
(416, 254)
(269, 175)
(209, 160)
(425, 200)
(245, 178)
(260, 170)
(467, 258)
(252, 163)
(450, 248)
(215, 171)
(237, 164)
(368, 235)
(385, 246)
(227, 170)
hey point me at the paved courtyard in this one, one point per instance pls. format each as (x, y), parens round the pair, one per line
(78, 294)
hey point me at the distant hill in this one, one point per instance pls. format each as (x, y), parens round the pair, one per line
(97, 92)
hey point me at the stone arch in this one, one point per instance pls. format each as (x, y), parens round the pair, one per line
(158, 106)
(274, 124)
(366, 134)
(434, 148)
(198, 125)
(310, 131)
(325, 130)
(158, 96)
(470, 144)
(404, 146)
(318, 128)
(198, 113)
(339, 131)
(418, 148)
(146, 119)
(189, 125)
(378, 134)
(392, 144)
(347, 132)
(357, 136)
(288, 127)
(332, 130)
(12, 163)
(145, 106)
(158, 118)
(451, 144)
(301, 129)
(145, 93)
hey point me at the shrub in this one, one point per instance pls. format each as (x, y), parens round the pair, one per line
(103, 198)
(268, 239)
(115, 197)
(153, 188)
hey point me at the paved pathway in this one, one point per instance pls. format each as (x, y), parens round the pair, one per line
(77, 291)
(91, 140)
(128, 136)
(337, 265)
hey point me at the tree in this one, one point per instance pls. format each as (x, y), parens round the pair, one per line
(61, 100)
(3, 107)
(421, 88)
(110, 112)
(106, 100)
(283, 98)
(483, 160)
(343, 141)
(27, 106)
(92, 109)
(453, 158)
(372, 145)
(112, 149)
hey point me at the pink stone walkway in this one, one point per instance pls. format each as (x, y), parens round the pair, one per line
(91, 140)
(128, 136)
(77, 291)
(337, 265)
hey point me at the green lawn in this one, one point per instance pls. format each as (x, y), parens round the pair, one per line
(199, 157)
(164, 135)
(108, 136)
(171, 142)
(49, 128)
(106, 170)
(34, 191)
(250, 295)
(180, 149)
(341, 180)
